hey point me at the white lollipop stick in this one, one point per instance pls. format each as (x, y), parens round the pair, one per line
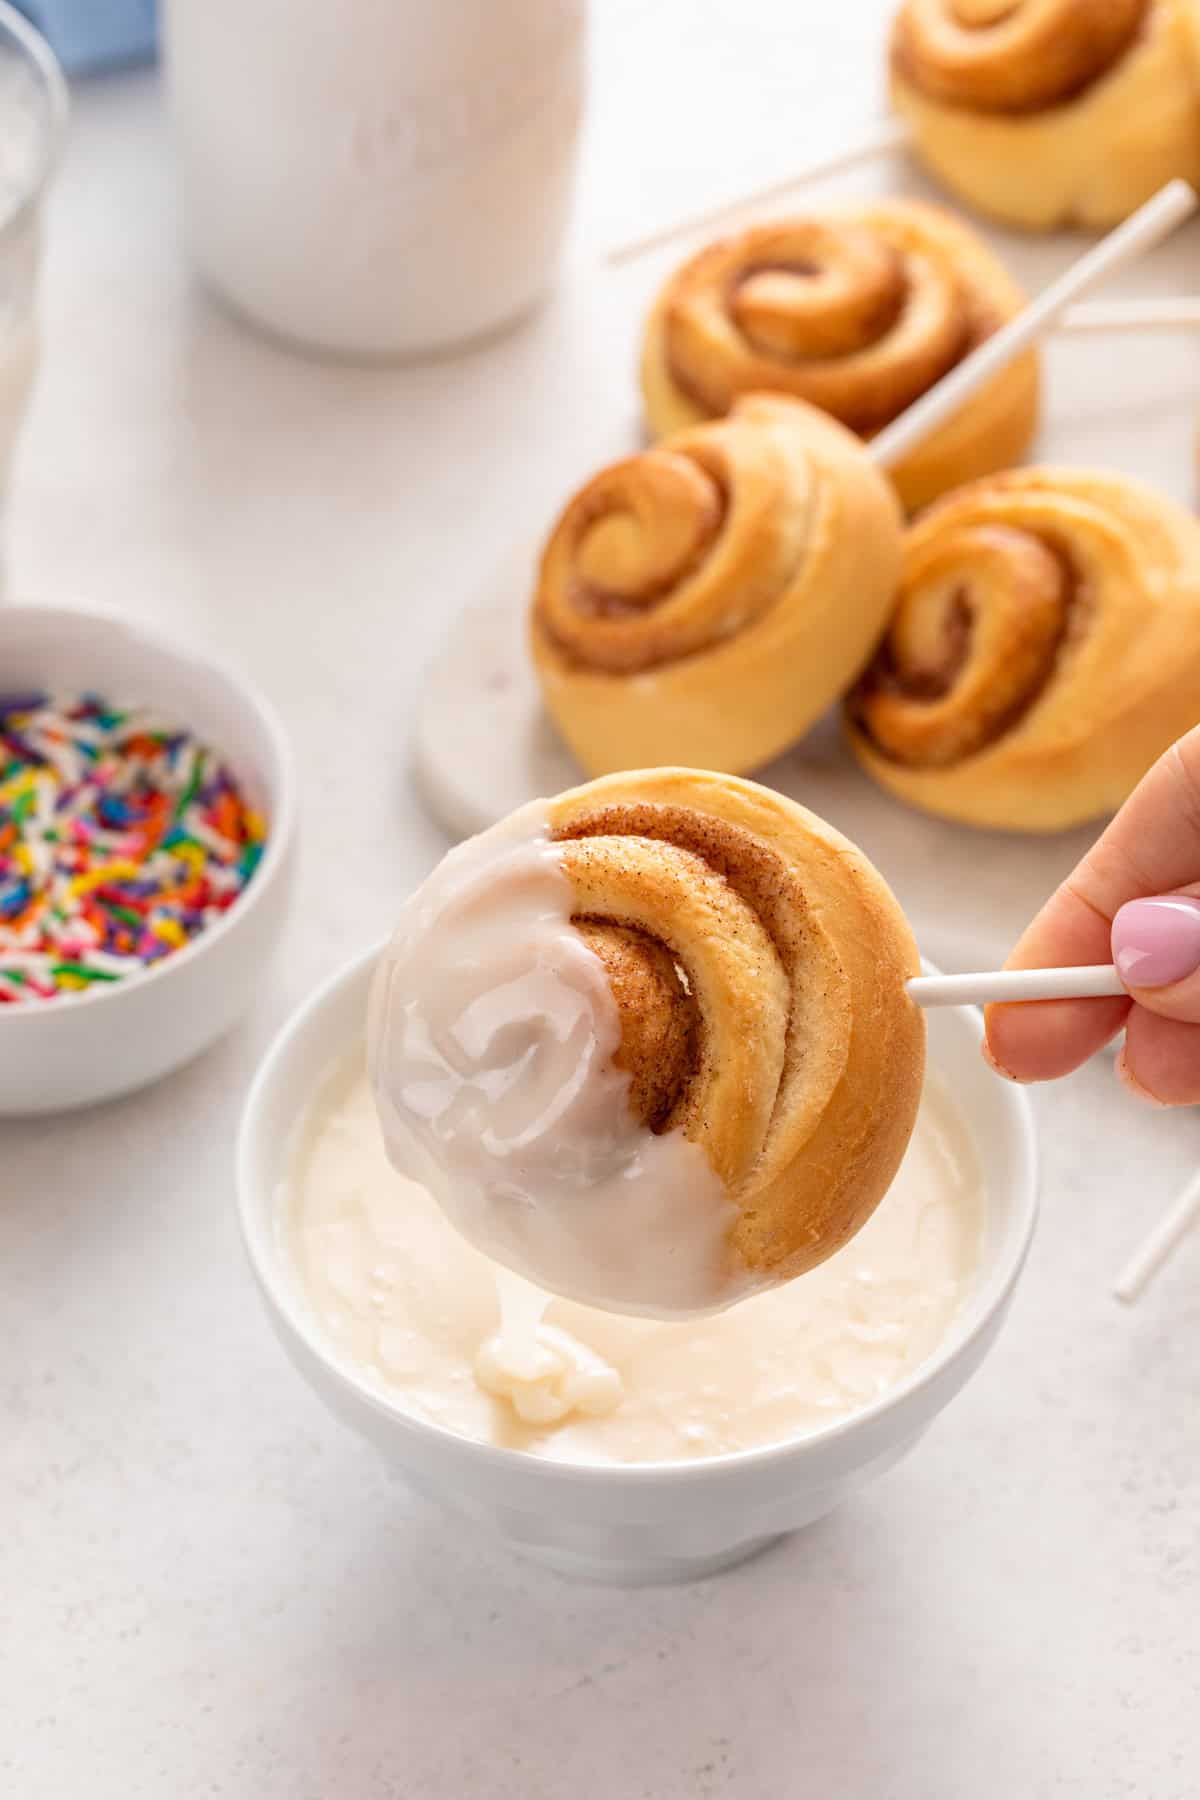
(1135, 315)
(876, 140)
(1093, 981)
(1148, 225)
(1160, 1245)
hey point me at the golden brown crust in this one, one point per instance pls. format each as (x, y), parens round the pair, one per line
(858, 311)
(706, 601)
(1044, 651)
(806, 1054)
(997, 56)
(1050, 112)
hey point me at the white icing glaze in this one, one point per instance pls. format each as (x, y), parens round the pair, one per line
(544, 1372)
(491, 1036)
(415, 1306)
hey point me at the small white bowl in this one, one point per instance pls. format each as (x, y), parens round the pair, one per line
(653, 1521)
(104, 1041)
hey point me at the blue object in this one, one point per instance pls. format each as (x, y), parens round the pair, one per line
(89, 35)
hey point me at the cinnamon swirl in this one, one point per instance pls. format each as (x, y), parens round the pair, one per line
(649, 1043)
(858, 311)
(1044, 650)
(706, 601)
(1050, 112)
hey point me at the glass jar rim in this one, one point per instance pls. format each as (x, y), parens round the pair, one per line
(28, 42)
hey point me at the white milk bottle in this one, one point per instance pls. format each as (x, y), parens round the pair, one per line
(376, 177)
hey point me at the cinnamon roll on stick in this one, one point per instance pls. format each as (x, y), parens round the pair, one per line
(706, 601)
(1043, 652)
(858, 311)
(649, 1042)
(1050, 112)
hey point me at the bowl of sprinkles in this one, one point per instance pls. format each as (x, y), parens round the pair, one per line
(145, 833)
(121, 839)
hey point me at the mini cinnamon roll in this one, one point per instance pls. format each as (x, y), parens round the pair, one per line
(1044, 650)
(706, 601)
(858, 311)
(1050, 112)
(649, 1043)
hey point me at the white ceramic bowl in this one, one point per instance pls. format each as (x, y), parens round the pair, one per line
(107, 1040)
(648, 1522)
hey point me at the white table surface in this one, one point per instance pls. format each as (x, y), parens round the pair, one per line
(208, 1588)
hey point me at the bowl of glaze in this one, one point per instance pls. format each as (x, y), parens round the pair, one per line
(646, 1521)
(104, 1041)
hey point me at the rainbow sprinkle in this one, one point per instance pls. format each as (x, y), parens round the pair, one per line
(121, 839)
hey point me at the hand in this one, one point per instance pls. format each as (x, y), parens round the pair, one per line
(1133, 900)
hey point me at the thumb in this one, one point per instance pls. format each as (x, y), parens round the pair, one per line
(1156, 948)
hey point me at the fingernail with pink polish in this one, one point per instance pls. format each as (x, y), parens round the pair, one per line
(1157, 942)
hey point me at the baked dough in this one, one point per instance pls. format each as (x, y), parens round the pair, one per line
(706, 601)
(649, 1043)
(1050, 112)
(858, 311)
(1045, 650)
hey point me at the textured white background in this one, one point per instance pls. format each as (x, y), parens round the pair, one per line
(208, 1589)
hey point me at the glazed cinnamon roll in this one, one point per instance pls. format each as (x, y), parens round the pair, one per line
(649, 1043)
(858, 311)
(1050, 112)
(705, 601)
(1044, 650)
